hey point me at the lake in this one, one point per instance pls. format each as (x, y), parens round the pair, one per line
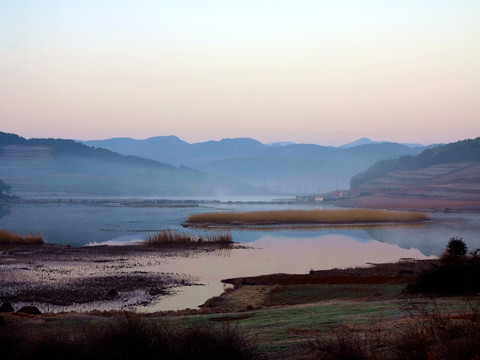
(266, 251)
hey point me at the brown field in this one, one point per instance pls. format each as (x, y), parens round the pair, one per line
(320, 217)
(7, 237)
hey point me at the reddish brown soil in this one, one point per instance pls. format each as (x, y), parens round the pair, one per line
(299, 279)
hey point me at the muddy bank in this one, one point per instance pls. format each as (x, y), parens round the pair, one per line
(378, 281)
(57, 278)
(388, 273)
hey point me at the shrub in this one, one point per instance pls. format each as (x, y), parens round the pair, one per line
(130, 338)
(343, 345)
(456, 247)
(428, 335)
(455, 273)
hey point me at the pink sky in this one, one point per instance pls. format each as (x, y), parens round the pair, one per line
(275, 70)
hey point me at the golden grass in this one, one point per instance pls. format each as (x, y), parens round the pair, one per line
(7, 237)
(344, 216)
(178, 238)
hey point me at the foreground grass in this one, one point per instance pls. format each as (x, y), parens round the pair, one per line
(11, 238)
(178, 238)
(410, 329)
(334, 217)
(129, 338)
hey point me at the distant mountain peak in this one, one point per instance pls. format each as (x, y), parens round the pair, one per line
(281, 143)
(361, 141)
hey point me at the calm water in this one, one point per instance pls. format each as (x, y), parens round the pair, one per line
(269, 251)
(82, 224)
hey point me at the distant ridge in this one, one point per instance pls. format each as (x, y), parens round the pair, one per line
(69, 148)
(361, 141)
(65, 168)
(366, 141)
(281, 143)
(285, 168)
(172, 150)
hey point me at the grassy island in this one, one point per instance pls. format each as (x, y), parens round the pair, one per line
(307, 217)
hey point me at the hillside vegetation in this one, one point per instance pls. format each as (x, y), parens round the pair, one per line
(461, 151)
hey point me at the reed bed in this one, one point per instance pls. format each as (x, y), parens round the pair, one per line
(11, 238)
(178, 238)
(334, 217)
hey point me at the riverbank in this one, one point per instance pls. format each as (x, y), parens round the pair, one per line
(284, 315)
(61, 278)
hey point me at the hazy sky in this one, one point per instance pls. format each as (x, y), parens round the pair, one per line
(324, 72)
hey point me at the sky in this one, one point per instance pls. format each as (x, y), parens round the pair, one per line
(324, 72)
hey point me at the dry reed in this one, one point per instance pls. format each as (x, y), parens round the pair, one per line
(177, 238)
(11, 238)
(344, 216)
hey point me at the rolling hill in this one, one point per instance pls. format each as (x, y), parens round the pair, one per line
(458, 152)
(56, 167)
(444, 177)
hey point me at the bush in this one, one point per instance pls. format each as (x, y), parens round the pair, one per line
(130, 338)
(456, 247)
(344, 345)
(455, 273)
(428, 335)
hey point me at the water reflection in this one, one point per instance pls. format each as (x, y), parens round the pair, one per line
(432, 237)
(272, 254)
(4, 210)
(79, 224)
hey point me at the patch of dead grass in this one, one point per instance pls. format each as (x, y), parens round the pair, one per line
(334, 217)
(11, 238)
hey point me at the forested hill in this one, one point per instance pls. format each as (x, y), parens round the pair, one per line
(461, 151)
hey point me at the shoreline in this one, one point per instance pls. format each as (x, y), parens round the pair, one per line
(379, 202)
(122, 277)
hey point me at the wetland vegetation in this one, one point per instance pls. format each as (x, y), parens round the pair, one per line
(12, 238)
(306, 217)
(177, 238)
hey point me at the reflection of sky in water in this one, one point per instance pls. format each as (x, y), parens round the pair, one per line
(269, 255)
(271, 251)
(81, 224)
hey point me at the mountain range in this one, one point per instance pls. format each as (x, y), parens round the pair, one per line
(374, 171)
(282, 168)
(57, 167)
